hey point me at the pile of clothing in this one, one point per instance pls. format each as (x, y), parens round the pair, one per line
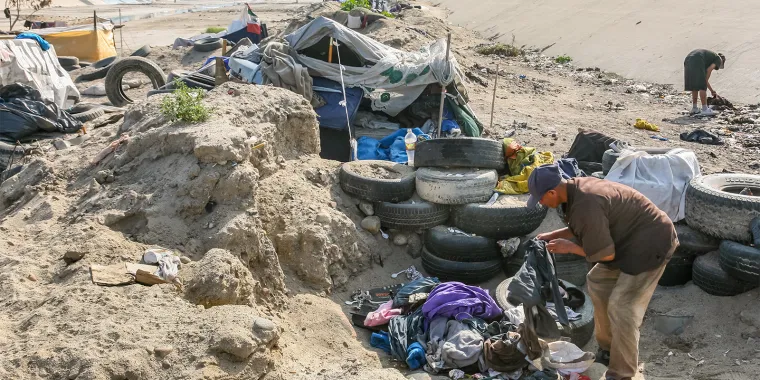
(521, 160)
(454, 329)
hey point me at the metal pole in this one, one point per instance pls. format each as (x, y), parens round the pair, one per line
(493, 101)
(121, 34)
(443, 88)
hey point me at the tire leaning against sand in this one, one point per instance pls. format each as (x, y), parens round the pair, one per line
(103, 62)
(679, 269)
(97, 74)
(466, 152)
(207, 44)
(579, 332)
(710, 277)
(441, 242)
(411, 216)
(141, 52)
(68, 61)
(89, 115)
(740, 261)
(691, 240)
(455, 186)
(721, 214)
(377, 189)
(466, 272)
(114, 89)
(502, 220)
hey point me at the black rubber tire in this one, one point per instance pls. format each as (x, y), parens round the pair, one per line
(84, 64)
(468, 152)
(456, 186)
(374, 189)
(580, 332)
(694, 241)
(68, 61)
(411, 216)
(710, 277)
(8, 151)
(192, 83)
(724, 215)
(754, 227)
(458, 247)
(141, 52)
(103, 62)
(207, 44)
(97, 74)
(72, 68)
(502, 220)
(573, 271)
(83, 107)
(599, 175)
(89, 115)
(468, 273)
(740, 261)
(202, 78)
(114, 89)
(679, 269)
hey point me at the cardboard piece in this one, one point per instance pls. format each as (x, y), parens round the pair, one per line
(110, 275)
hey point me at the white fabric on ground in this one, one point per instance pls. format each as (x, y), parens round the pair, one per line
(661, 177)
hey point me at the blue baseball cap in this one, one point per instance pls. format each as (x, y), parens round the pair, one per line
(542, 179)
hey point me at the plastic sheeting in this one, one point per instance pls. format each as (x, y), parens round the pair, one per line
(662, 178)
(23, 61)
(82, 41)
(393, 79)
(23, 113)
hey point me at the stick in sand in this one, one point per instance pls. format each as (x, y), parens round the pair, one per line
(493, 102)
(443, 89)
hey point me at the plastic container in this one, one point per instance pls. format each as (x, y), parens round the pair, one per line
(410, 140)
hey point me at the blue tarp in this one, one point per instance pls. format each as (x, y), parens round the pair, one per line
(333, 115)
(389, 148)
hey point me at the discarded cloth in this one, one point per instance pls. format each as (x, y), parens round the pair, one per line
(420, 285)
(518, 184)
(168, 268)
(701, 136)
(643, 124)
(538, 271)
(568, 168)
(460, 301)
(515, 315)
(44, 45)
(382, 315)
(662, 178)
(571, 314)
(452, 344)
(281, 70)
(381, 340)
(405, 330)
(415, 356)
(23, 113)
(589, 146)
(501, 353)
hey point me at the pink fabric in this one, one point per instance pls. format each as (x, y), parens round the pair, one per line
(382, 315)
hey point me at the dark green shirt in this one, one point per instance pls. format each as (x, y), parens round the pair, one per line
(708, 58)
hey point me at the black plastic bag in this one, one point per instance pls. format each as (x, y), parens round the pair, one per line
(24, 113)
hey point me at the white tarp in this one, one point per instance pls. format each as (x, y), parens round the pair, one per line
(661, 177)
(23, 61)
(393, 79)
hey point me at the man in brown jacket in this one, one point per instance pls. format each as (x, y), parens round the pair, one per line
(628, 238)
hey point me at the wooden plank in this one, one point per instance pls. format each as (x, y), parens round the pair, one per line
(110, 275)
(148, 278)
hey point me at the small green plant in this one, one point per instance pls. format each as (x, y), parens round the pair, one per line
(215, 29)
(388, 14)
(563, 59)
(351, 4)
(185, 104)
(500, 49)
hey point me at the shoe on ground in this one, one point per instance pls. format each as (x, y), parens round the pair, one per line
(707, 112)
(603, 357)
(694, 111)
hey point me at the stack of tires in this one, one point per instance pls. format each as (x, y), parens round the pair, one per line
(463, 173)
(726, 207)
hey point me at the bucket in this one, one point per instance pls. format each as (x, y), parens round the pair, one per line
(354, 22)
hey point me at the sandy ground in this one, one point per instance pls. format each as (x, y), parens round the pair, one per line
(295, 248)
(646, 40)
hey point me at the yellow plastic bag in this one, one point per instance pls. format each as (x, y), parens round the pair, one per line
(643, 124)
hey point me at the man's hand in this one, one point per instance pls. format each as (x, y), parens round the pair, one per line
(562, 246)
(562, 233)
(714, 94)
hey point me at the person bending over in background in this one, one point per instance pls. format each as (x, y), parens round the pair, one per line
(697, 67)
(628, 238)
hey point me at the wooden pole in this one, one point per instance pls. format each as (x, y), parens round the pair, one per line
(224, 47)
(493, 101)
(95, 20)
(443, 88)
(121, 34)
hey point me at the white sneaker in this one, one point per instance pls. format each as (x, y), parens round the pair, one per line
(694, 111)
(707, 112)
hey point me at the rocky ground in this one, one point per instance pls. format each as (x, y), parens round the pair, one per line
(272, 247)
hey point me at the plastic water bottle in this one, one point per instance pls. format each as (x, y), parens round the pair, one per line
(410, 140)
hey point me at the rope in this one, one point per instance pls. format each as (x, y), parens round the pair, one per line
(344, 104)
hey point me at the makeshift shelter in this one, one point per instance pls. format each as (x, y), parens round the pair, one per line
(86, 42)
(23, 61)
(323, 59)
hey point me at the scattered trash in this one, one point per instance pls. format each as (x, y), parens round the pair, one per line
(658, 137)
(701, 136)
(643, 124)
(411, 273)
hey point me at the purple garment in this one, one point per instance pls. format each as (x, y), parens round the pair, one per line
(460, 301)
